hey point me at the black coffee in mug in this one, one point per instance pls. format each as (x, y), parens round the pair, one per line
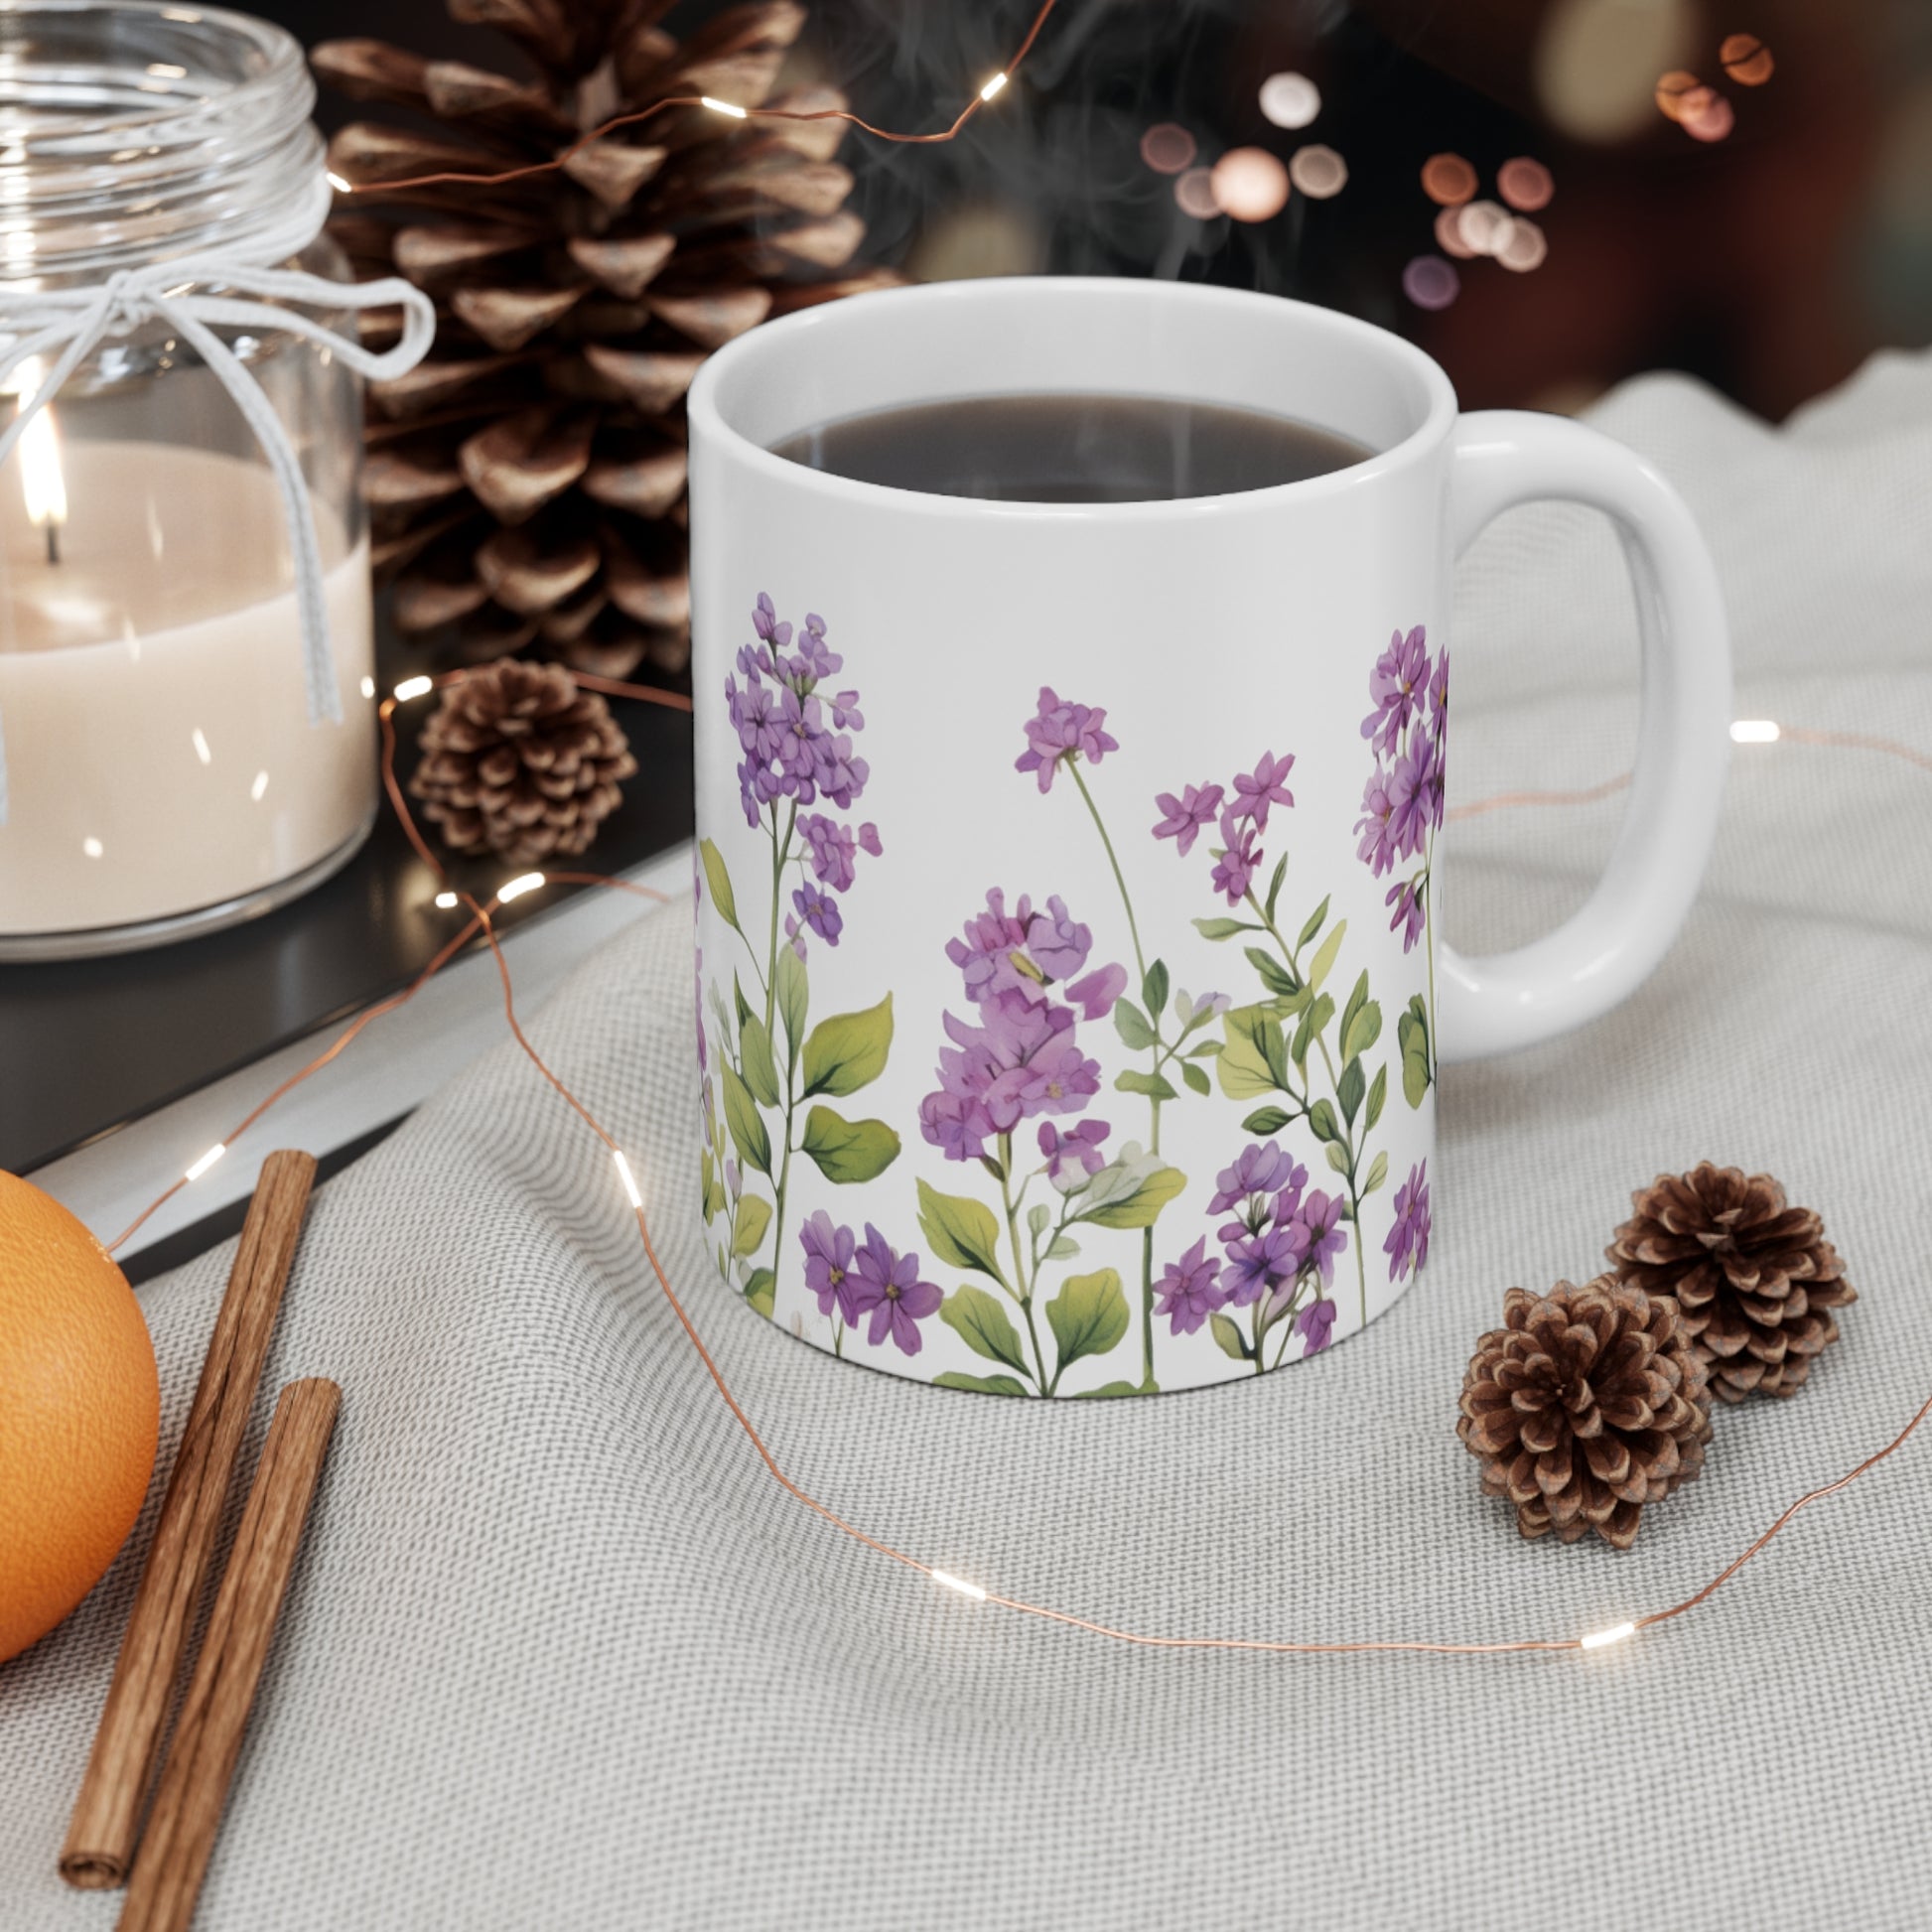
(1071, 449)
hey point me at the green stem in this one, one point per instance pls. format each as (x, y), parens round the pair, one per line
(784, 1180)
(1429, 940)
(1024, 1292)
(1113, 859)
(781, 849)
(1354, 1200)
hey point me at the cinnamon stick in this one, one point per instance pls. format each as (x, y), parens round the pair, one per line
(193, 1787)
(108, 1814)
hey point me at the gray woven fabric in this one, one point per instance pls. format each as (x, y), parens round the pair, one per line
(561, 1654)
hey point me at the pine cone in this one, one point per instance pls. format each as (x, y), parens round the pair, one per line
(1756, 1280)
(518, 761)
(527, 481)
(1586, 1405)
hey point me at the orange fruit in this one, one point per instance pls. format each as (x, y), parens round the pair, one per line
(80, 1413)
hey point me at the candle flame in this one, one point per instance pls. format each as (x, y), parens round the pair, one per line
(42, 481)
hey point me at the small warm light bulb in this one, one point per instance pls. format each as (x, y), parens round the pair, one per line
(340, 185)
(1615, 1635)
(413, 687)
(1755, 730)
(629, 1179)
(368, 686)
(993, 87)
(525, 882)
(206, 1161)
(92, 847)
(950, 1582)
(722, 107)
(445, 901)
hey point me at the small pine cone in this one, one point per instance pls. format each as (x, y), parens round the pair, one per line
(520, 762)
(1585, 1405)
(1756, 1280)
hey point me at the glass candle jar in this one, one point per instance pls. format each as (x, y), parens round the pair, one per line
(167, 769)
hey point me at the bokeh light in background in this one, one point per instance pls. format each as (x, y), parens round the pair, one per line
(1195, 192)
(1484, 226)
(1318, 172)
(1595, 63)
(1290, 100)
(1525, 246)
(1249, 184)
(1431, 283)
(1168, 148)
(1746, 60)
(1449, 235)
(1448, 179)
(1705, 116)
(1524, 184)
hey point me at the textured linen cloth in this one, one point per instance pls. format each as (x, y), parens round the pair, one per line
(560, 1653)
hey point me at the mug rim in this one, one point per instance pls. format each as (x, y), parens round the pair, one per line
(709, 420)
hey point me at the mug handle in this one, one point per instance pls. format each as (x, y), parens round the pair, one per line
(1605, 950)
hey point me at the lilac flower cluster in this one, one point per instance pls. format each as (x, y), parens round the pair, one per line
(1243, 817)
(1060, 731)
(1021, 1060)
(1279, 1236)
(1408, 1242)
(870, 1280)
(1402, 803)
(797, 746)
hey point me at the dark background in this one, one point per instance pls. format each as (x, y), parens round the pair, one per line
(1769, 263)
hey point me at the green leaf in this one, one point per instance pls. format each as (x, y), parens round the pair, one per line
(1038, 1217)
(1275, 886)
(980, 1320)
(761, 1289)
(1314, 926)
(739, 1002)
(1107, 1391)
(1276, 976)
(963, 1233)
(755, 1050)
(1318, 967)
(1222, 928)
(1378, 1091)
(1088, 1316)
(753, 1218)
(748, 1133)
(1064, 1248)
(1322, 1122)
(1154, 1085)
(849, 1150)
(1412, 1033)
(1232, 1344)
(1337, 1158)
(979, 1384)
(1243, 1065)
(848, 1050)
(708, 1183)
(1204, 1049)
(1363, 1032)
(1352, 1006)
(1154, 989)
(791, 1003)
(1143, 1206)
(1130, 1024)
(1349, 1090)
(719, 881)
(1378, 1172)
(1313, 1023)
(1197, 1077)
(1266, 1120)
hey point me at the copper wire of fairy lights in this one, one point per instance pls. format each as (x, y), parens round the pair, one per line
(732, 111)
(481, 921)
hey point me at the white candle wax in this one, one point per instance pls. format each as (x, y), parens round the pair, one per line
(159, 750)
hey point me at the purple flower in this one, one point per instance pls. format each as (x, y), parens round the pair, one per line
(838, 775)
(1395, 685)
(756, 715)
(1259, 1263)
(1187, 1289)
(1062, 730)
(813, 659)
(820, 911)
(1059, 947)
(986, 956)
(887, 1285)
(1410, 911)
(846, 714)
(1429, 780)
(1055, 1079)
(1066, 1152)
(1316, 1326)
(765, 620)
(1256, 1171)
(1319, 1215)
(1235, 869)
(828, 1266)
(1267, 786)
(1408, 806)
(1408, 1241)
(1095, 995)
(1187, 816)
(832, 849)
(1438, 689)
(956, 1123)
(1022, 1063)
(1377, 847)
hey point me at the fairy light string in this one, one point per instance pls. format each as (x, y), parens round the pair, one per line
(481, 923)
(732, 111)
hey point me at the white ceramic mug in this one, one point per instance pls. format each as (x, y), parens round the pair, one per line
(1070, 978)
